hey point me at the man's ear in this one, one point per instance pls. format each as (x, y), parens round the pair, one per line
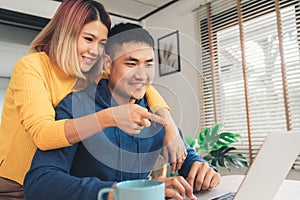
(107, 63)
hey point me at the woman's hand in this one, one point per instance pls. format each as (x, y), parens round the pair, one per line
(173, 143)
(132, 118)
(174, 146)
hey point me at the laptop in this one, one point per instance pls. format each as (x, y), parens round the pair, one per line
(270, 167)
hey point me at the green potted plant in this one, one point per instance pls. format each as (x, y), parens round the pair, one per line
(215, 147)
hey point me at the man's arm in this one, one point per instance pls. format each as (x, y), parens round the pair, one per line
(199, 174)
(192, 156)
(49, 178)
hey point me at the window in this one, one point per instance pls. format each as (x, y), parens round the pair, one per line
(251, 65)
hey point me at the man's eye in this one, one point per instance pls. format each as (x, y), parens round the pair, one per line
(148, 65)
(131, 64)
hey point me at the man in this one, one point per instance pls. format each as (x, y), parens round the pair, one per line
(80, 171)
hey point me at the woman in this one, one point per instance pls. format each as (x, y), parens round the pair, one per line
(64, 58)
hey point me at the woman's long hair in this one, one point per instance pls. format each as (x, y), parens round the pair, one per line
(59, 38)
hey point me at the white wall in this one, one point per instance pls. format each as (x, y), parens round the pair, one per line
(41, 8)
(180, 89)
(14, 43)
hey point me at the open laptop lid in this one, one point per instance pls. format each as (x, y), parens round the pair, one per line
(270, 167)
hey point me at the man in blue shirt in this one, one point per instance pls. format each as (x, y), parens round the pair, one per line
(81, 170)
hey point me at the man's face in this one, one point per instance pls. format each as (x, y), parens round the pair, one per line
(131, 71)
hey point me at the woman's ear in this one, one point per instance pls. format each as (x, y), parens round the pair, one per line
(107, 63)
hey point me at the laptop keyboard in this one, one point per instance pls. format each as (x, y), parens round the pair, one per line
(227, 196)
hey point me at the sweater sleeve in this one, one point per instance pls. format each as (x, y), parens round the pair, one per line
(33, 101)
(49, 178)
(155, 101)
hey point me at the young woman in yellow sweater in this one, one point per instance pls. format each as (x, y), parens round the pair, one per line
(65, 56)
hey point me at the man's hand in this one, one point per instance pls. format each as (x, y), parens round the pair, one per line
(177, 187)
(203, 177)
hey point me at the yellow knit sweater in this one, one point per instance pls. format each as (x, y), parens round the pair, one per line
(28, 117)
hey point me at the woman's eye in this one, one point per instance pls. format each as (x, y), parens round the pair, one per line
(88, 39)
(102, 44)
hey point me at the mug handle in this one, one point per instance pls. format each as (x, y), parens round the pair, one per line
(103, 191)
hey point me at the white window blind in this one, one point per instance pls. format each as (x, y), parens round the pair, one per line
(251, 64)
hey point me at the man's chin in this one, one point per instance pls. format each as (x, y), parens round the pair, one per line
(138, 96)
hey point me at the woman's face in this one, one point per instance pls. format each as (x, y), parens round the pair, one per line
(91, 43)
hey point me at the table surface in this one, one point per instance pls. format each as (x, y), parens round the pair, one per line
(289, 189)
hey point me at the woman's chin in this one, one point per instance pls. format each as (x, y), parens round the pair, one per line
(86, 68)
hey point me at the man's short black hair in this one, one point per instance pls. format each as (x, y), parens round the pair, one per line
(127, 32)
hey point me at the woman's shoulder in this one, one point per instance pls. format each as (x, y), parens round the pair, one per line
(33, 61)
(40, 57)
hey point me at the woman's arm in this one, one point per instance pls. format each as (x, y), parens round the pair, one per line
(34, 98)
(173, 144)
(128, 117)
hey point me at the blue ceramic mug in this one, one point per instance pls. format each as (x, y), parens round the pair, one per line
(136, 190)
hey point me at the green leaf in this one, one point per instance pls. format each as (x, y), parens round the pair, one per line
(244, 164)
(201, 137)
(222, 151)
(227, 149)
(238, 160)
(190, 141)
(203, 134)
(227, 138)
(233, 135)
(221, 162)
(217, 153)
(207, 158)
(214, 162)
(174, 174)
(206, 140)
(230, 161)
(240, 163)
(218, 147)
(216, 128)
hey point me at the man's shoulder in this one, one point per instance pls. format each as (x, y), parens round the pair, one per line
(143, 102)
(77, 104)
(82, 95)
